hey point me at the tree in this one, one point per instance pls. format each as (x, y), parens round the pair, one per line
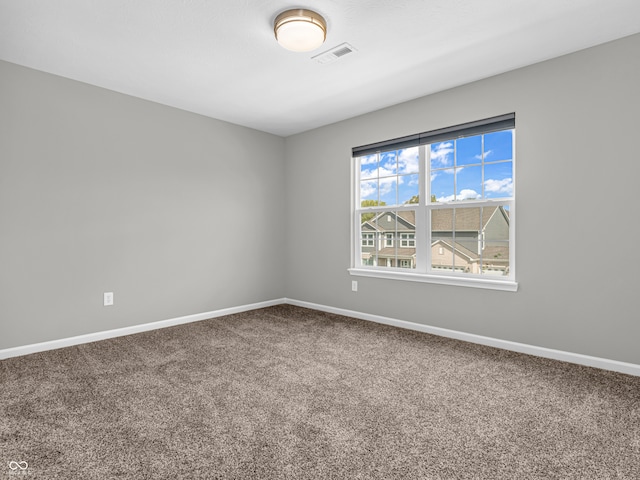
(416, 199)
(365, 217)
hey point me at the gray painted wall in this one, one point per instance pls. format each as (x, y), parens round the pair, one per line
(173, 212)
(101, 192)
(577, 151)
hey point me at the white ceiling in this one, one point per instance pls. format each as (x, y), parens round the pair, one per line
(219, 58)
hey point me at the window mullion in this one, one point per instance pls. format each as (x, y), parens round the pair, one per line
(422, 240)
(482, 165)
(378, 158)
(455, 170)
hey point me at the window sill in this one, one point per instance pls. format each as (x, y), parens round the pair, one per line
(491, 284)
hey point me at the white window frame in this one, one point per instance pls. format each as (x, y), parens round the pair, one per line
(425, 271)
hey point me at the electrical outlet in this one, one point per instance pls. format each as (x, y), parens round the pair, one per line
(354, 285)
(108, 299)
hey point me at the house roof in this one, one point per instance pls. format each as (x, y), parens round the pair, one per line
(391, 252)
(459, 248)
(490, 254)
(467, 219)
(496, 254)
(386, 221)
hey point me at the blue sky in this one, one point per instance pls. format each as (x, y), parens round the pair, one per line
(395, 177)
(398, 176)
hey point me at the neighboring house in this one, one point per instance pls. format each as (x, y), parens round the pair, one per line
(479, 242)
(389, 240)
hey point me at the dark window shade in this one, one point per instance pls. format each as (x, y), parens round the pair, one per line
(488, 125)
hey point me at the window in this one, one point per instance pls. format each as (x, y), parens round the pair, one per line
(407, 240)
(367, 239)
(388, 240)
(448, 196)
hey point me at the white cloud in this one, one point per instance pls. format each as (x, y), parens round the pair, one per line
(369, 159)
(465, 194)
(452, 171)
(368, 173)
(369, 166)
(440, 156)
(367, 189)
(377, 172)
(486, 154)
(385, 172)
(408, 160)
(387, 185)
(499, 186)
(389, 162)
(448, 198)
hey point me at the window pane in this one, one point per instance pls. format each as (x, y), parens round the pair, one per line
(442, 224)
(369, 191)
(442, 187)
(442, 154)
(498, 180)
(408, 188)
(388, 164)
(368, 219)
(498, 146)
(467, 237)
(469, 150)
(387, 223)
(470, 240)
(469, 183)
(388, 239)
(408, 160)
(495, 241)
(406, 251)
(369, 166)
(442, 239)
(388, 190)
(495, 258)
(368, 238)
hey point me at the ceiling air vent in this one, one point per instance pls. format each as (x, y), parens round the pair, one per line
(334, 54)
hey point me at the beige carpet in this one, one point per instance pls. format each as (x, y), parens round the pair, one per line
(286, 392)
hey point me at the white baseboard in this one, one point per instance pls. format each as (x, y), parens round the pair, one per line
(603, 363)
(119, 332)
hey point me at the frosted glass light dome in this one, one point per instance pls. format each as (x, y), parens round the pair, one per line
(300, 30)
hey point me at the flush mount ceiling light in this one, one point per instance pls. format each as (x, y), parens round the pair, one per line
(300, 30)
